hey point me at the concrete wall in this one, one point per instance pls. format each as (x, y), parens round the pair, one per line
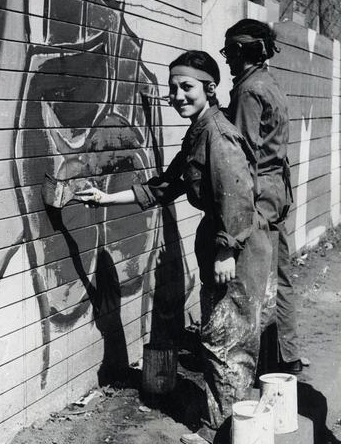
(82, 289)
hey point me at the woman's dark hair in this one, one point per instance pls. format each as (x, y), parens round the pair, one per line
(255, 51)
(203, 61)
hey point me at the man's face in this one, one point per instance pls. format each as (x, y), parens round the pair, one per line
(233, 57)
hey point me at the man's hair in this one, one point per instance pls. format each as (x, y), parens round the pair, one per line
(264, 46)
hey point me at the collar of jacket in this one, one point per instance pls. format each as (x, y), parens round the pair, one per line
(246, 74)
(211, 111)
(196, 127)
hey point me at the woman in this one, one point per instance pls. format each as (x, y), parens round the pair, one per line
(231, 246)
(258, 108)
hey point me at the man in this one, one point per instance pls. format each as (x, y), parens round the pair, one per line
(258, 109)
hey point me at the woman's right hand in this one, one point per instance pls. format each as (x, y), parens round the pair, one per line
(92, 196)
(224, 266)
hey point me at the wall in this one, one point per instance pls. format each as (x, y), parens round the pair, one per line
(83, 289)
(308, 69)
(217, 16)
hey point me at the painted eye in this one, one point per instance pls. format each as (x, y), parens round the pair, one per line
(61, 94)
(172, 90)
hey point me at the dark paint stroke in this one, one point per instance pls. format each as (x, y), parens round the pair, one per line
(106, 297)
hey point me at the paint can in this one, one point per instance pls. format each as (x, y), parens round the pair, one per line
(284, 388)
(249, 427)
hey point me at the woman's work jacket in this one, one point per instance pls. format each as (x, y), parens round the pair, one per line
(213, 169)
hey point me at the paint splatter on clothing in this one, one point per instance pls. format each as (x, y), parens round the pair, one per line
(258, 108)
(213, 169)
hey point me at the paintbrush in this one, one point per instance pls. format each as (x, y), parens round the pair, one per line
(267, 399)
(152, 96)
(57, 193)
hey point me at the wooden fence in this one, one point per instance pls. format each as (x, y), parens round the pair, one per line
(81, 290)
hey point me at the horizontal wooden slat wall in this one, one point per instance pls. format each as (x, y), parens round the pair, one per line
(83, 289)
(308, 69)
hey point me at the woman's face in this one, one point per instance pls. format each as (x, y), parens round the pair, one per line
(188, 96)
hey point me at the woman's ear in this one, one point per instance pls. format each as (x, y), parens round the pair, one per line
(211, 88)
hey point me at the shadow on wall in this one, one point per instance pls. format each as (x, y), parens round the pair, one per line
(105, 299)
(107, 310)
(168, 322)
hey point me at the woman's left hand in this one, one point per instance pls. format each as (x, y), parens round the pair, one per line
(224, 266)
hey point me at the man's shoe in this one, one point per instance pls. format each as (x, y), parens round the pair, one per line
(293, 367)
(193, 438)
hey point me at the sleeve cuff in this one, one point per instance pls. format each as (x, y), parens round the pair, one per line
(144, 197)
(223, 239)
(246, 223)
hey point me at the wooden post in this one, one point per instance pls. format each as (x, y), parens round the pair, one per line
(159, 369)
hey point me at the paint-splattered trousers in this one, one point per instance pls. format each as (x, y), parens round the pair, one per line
(274, 204)
(231, 317)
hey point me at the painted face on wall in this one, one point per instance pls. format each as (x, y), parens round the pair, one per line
(74, 100)
(82, 118)
(188, 96)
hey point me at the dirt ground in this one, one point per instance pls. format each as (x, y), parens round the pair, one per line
(121, 415)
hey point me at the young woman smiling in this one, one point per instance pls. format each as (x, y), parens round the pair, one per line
(232, 247)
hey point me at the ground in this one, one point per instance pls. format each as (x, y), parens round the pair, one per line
(119, 414)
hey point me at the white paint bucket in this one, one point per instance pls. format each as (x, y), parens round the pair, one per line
(249, 427)
(284, 387)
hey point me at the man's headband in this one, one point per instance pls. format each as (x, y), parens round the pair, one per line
(243, 38)
(182, 70)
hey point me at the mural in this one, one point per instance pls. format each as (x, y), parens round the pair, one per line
(79, 115)
(71, 74)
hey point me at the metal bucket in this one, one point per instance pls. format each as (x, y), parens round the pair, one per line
(284, 386)
(249, 427)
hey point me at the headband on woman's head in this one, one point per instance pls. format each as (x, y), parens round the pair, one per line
(182, 70)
